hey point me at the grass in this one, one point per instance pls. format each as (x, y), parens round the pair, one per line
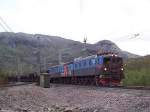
(137, 77)
(3, 78)
(137, 72)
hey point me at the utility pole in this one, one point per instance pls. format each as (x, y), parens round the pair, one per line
(44, 64)
(60, 56)
(17, 62)
(85, 40)
(84, 53)
(39, 55)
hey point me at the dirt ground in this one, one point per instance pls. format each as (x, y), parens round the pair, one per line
(73, 98)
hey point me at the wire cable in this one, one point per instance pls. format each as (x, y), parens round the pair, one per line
(5, 24)
(3, 27)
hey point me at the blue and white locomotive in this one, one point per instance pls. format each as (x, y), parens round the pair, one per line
(100, 69)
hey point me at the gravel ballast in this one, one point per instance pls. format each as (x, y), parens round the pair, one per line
(73, 98)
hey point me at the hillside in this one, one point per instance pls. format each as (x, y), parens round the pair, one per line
(19, 51)
(137, 71)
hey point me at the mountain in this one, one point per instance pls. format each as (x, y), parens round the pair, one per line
(20, 51)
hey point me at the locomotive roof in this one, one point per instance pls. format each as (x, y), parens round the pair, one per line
(61, 64)
(81, 58)
(84, 58)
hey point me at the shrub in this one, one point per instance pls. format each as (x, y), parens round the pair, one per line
(137, 72)
(3, 78)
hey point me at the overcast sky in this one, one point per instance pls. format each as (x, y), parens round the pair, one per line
(116, 20)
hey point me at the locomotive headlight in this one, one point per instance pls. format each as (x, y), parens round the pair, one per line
(121, 69)
(105, 69)
(116, 55)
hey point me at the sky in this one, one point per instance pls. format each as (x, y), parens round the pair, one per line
(115, 20)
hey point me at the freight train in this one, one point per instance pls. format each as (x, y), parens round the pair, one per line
(101, 69)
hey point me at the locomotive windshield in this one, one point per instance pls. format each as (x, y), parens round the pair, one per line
(117, 60)
(107, 60)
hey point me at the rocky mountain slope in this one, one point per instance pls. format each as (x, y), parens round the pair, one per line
(20, 51)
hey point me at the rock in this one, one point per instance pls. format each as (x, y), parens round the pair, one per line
(24, 110)
(68, 109)
(81, 99)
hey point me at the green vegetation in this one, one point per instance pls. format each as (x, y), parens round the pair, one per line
(137, 72)
(3, 77)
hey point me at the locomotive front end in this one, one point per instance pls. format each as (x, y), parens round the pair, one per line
(111, 72)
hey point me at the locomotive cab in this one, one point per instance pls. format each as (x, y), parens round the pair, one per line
(113, 64)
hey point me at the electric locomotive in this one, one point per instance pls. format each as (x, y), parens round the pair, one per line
(102, 70)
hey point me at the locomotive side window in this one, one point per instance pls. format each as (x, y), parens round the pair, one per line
(87, 63)
(57, 69)
(79, 64)
(90, 62)
(84, 63)
(106, 60)
(93, 61)
(119, 60)
(62, 69)
(76, 66)
(99, 60)
(71, 66)
(116, 60)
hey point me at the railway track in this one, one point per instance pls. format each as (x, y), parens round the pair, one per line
(118, 87)
(56, 84)
(131, 87)
(136, 87)
(16, 84)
